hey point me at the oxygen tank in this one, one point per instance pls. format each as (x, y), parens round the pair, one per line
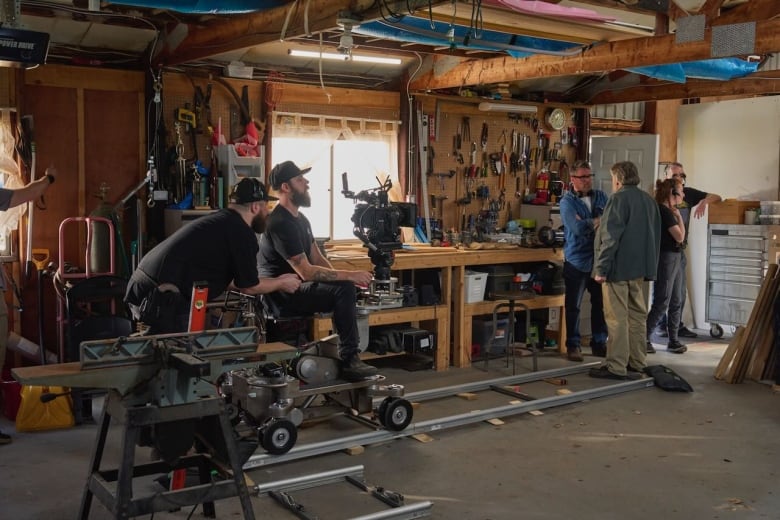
(100, 249)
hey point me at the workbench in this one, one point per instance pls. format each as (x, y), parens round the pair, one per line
(452, 264)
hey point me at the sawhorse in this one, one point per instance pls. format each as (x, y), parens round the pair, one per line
(121, 502)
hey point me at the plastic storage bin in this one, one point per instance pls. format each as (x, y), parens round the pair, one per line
(474, 286)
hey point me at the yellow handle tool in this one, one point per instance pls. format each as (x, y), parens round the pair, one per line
(40, 257)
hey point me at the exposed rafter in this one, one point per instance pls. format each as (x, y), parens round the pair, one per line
(752, 10)
(226, 34)
(754, 84)
(638, 52)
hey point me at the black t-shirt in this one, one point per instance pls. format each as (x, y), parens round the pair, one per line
(218, 248)
(285, 236)
(691, 197)
(668, 243)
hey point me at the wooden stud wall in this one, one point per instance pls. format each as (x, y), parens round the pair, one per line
(450, 116)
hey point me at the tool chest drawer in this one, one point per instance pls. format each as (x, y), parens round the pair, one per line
(737, 259)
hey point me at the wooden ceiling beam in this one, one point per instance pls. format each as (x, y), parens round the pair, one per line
(638, 52)
(514, 22)
(711, 10)
(756, 84)
(225, 34)
(752, 10)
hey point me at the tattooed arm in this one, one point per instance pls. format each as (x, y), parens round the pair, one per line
(318, 273)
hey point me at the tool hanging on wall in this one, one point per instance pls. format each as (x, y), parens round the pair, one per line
(514, 156)
(422, 147)
(473, 160)
(180, 189)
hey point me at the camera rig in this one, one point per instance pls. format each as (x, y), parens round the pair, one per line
(377, 223)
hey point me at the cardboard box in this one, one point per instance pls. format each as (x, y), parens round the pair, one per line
(730, 211)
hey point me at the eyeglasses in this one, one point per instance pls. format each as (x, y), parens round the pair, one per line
(581, 176)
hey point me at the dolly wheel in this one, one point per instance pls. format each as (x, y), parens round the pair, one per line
(278, 437)
(716, 331)
(395, 413)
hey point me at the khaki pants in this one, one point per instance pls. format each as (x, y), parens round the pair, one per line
(625, 311)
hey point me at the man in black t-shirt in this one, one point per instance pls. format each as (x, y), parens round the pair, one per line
(288, 246)
(218, 249)
(696, 202)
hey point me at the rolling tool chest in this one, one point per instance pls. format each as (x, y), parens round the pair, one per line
(737, 260)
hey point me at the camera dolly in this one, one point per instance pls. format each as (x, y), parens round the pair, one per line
(274, 399)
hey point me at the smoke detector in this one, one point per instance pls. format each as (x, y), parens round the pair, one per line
(347, 21)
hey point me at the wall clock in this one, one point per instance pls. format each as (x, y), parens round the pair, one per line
(556, 118)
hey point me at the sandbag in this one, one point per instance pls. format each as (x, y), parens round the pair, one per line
(667, 379)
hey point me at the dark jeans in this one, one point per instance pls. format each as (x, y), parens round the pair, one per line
(666, 295)
(337, 297)
(576, 283)
(683, 277)
(166, 312)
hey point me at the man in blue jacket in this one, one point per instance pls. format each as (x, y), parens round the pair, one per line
(581, 209)
(628, 243)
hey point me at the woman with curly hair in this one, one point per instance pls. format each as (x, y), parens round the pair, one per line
(667, 295)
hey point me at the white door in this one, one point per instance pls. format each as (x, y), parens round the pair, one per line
(641, 150)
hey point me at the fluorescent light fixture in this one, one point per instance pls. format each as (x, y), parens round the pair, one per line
(506, 107)
(343, 57)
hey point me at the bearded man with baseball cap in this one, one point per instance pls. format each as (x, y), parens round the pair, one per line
(219, 249)
(288, 246)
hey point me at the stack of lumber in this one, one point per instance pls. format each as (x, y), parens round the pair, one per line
(749, 353)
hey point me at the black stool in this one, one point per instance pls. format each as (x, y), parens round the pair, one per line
(515, 302)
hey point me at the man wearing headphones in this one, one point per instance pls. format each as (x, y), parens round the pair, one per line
(581, 209)
(219, 249)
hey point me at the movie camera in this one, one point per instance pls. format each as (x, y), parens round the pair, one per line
(377, 223)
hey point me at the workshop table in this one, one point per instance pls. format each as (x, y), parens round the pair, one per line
(452, 263)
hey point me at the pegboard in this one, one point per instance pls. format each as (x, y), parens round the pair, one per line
(448, 191)
(179, 92)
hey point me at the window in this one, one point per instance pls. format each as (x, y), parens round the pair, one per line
(366, 150)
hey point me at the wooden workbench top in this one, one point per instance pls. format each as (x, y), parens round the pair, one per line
(421, 257)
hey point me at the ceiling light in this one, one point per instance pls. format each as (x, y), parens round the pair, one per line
(343, 57)
(506, 107)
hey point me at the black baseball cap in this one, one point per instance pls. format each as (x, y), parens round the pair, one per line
(283, 172)
(249, 190)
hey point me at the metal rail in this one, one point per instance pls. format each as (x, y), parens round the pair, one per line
(341, 443)
(281, 489)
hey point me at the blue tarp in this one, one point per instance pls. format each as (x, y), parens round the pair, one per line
(722, 69)
(412, 29)
(206, 6)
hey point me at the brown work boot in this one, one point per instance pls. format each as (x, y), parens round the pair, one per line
(353, 369)
(574, 355)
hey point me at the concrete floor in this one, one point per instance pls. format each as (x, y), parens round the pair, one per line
(647, 454)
